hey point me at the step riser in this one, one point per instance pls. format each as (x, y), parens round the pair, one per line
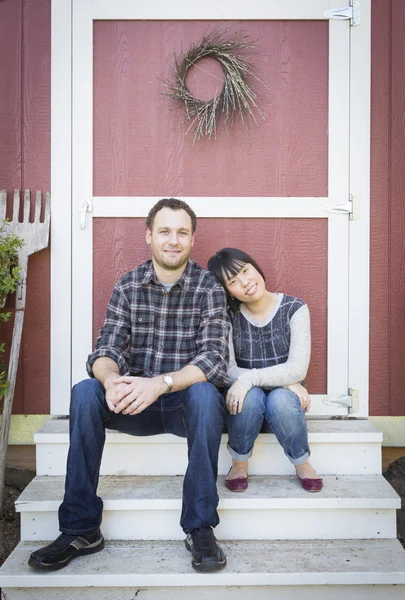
(297, 592)
(273, 524)
(171, 459)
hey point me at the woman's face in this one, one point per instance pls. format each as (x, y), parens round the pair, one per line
(247, 285)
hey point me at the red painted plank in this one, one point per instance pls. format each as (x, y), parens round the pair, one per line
(10, 94)
(10, 126)
(25, 29)
(291, 252)
(397, 222)
(139, 145)
(36, 173)
(380, 210)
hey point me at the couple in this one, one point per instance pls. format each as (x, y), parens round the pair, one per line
(159, 359)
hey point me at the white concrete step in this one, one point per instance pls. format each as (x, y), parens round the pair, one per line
(273, 507)
(353, 570)
(337, 447)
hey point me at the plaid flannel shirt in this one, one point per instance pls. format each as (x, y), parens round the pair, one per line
(148, 331)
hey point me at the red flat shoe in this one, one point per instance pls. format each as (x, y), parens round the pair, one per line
(239, 484)
(311, 485)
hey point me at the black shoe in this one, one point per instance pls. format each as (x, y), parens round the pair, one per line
(59, 553)
(207, 554)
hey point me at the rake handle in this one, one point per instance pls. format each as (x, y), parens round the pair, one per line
(12, 371)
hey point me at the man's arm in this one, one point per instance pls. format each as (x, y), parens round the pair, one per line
(113, 339)
(137, 393)
(107, 372)
(212, 355)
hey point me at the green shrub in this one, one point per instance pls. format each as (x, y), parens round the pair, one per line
(9, 279)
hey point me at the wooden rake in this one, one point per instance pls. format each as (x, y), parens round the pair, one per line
(35, 236)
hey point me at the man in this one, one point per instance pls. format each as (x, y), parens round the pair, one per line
(159, 355)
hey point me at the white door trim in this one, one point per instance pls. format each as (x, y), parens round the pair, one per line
(212, 9)
(222, 207)
(61, 187)
(359, 250)
(63, 267)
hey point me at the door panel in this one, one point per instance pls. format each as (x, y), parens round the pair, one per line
(140, 146)
(266, 186)
(291, 252)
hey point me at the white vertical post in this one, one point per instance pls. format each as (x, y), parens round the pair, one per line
(338, 192)
(82, 185)
(61, 243)
(359, 277)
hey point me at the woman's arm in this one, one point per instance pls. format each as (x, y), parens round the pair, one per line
(234, 371)
(296, 366)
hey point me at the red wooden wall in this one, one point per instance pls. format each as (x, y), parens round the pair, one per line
(387, 318)
(25, 126)
(25, 163)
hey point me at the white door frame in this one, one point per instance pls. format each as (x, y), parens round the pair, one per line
(71, 177)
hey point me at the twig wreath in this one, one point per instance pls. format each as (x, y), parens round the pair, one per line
(236, 96)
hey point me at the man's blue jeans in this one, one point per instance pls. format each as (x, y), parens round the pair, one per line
(196, 413)
(280, 412)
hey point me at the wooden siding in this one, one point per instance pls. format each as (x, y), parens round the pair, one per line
(387, 300)
(25, 35)
(140, 149)
(397, 210)
(24, 162)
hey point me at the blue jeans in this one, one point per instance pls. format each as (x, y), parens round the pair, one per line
(196, 413)
(280, 412)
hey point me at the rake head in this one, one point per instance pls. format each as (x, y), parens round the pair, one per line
(35, 234)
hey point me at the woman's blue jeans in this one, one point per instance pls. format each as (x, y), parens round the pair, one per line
(196, 413)
(280, 412)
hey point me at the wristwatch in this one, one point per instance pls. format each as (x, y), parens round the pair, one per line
(169, 381)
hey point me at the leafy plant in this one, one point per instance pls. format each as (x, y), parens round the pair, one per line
(9, 279)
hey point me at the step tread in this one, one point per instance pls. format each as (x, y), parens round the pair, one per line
(45, 493)
(319, 430)
(336, 562)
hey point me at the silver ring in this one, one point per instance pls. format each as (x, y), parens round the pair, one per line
(136, 403)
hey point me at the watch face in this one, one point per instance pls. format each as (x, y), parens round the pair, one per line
(167, 379)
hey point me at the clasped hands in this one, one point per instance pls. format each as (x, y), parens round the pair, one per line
(237, 393)
(131, 395)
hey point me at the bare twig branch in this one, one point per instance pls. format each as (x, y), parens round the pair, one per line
(229, 48)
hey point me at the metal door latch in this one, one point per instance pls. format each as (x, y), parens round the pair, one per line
(351, 12)
(351, 401)
(351, 208)
(85, 207)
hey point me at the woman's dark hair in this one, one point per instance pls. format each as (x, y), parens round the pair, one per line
(225, 264)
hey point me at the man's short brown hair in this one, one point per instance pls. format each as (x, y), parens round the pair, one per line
(174, 204)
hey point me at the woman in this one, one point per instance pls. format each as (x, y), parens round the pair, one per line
(269, 356)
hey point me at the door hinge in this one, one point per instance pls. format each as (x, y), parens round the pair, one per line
(350, 208)
(351, 401)
(85, 207)
(351, 12)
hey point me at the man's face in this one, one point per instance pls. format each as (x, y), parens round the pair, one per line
(171, 238)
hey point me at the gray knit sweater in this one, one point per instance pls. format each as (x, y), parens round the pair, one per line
(274, 352)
